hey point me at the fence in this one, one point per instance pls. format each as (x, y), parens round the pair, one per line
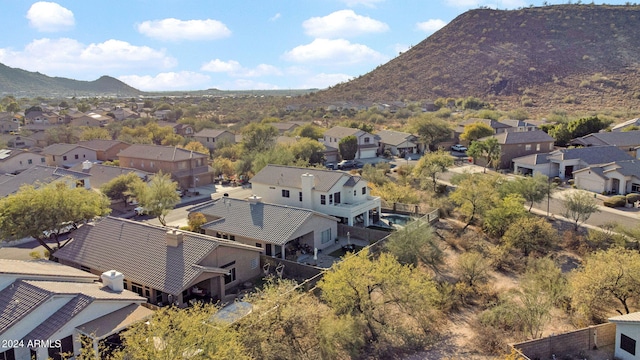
(405, 209)
(369, 235)
(569, 343)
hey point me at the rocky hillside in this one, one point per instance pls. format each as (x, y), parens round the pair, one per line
(569, 56)
(21, 83)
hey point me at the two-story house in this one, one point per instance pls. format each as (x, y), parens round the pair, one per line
(14, 161)
(67, 155)
(281, 230)
(9, 123)
(212, 138)
(188, 168)
(164, 265)
(514, 144)
(367, 143)
(625, 140)
(335, 193)
(106, 150)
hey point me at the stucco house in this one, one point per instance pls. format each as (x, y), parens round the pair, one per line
(162, 264)
(627, 336)
(42, 174)
(67, 155)
(188, 168)
(284, 127)
(212, 138)
(92, 120)
(9, 123)
(14, 161)
(106, 150)
(618, 177)
(101, 174)
(563, 162)
(514, 144)
(397, 142)
(279, 229)
(57, 304)
(367, 143)
(335, 193)
(625, 140)
(633, 123)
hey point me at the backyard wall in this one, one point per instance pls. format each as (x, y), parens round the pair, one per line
(369, 235)
(569, 343)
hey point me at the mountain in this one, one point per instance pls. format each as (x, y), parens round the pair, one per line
(24, 83)
(570, 56)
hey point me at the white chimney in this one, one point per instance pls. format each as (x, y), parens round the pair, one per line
(174, 238)
(113, 279)
(86, 165)
(254, 199)
(307, 185)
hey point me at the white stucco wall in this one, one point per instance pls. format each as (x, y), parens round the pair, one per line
(589, 181)
(631, 330)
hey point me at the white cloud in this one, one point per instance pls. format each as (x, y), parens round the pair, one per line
(322, 81)
(430, 26)
(338, 52)
(367, 3)
(175, 30)
(50, 17)
(233, 68)
(70, 58)
(400, 48)
(342, 23)
(275, 17)
(183, 80)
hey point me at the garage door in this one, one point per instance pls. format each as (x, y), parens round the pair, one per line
(367, 153)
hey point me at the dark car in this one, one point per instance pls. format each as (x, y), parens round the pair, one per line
(349, 164)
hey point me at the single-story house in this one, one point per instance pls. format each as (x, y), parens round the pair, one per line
(618, 177)
(627, 336)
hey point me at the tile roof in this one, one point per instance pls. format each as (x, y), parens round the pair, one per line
(289, 176)
(37, 174)
(157, 152)
(395, 138)
(94, 290)
(516, 123)
(341, 131)
(149, 260)
(533, 159)
(632, 317)
(492, 123)
(522, 137)
(17, 301)
(116, 321)
(102, 174)
(59, 318)
(591, 155)
(617, 138)
(268, 222)
(99, 144)
(211, 133)
(61, 149)
(622, 125)
(283, 126)
(42, 268)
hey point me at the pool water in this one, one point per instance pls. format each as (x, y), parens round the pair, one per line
(398, 219)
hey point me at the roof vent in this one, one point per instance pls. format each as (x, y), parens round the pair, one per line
(113, 279)
(174, 238)
(86, 165)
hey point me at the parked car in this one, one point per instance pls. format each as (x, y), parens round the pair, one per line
(459, 147)
(64, 229)
(139, 211)
(349, 164)
(331, 165)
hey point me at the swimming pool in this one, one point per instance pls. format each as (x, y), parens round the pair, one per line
(397, 219)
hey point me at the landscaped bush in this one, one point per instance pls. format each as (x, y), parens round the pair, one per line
(632, 198)
(616, 201)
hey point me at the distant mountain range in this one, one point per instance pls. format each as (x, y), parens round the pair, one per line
(580, 57)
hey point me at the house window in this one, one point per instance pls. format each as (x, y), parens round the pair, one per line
(355, 193)
(30, 161)
(208, 140)
(64, 158)
(635, 188)
(527, 147)
(330, 199)
(8, 355)
(42, 160)
(323, 200)
(259, 245)
(551, 146)
(231, 276)
(232, 237)
(336, 197)
(136, 288)
(66, 346)
(285, 193)
(151, 164)
(364, 190)
(300, 195)
(627, 344)
(76, 156)
(254, 263)
(537, 147)
(325, 236)
(366, 140)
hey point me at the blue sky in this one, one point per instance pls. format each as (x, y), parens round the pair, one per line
(228, 45)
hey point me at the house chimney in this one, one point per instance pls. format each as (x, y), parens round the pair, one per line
(113, 280)
(307, 184)
(86, 165)
(254, 199)
(174, 238)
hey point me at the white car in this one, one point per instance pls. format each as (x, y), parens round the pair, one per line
(140, 211)
(459, 147)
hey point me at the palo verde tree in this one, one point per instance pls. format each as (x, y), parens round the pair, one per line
(32, 211)
(475, 131)
(122, 186)
(348, 147)
(578, 206)
(258, 137)
(532, 188)
(414, 244)
(489, 149)
(474, 195)
(158, 196)
(431, 130)
(432, 164)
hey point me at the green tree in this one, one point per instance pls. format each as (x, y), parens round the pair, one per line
(309, 131)
(223, 166)
(307, 150)
(532, 188)
(32, 211)
(497, 220)
(259, 137)
(475, 131)
(473, 269)
(197, 147)
(348, 147)
(430, 130)
(531, 234)
(432, 164)
(474, 195)
(390, 301)
(604, 279)
(196, 220)
(414, 244)
(122, 186)
(586, 126)
(489, 148)
(158, 196)
(91, 133)
(578, 206)
(13, 107)
(61, 134)
(174, 333)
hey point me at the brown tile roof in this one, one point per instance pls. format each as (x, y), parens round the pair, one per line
(289, 176)
(37, 175)
(99, 144)
(61, 149)
(522, 137)
(17, 301)
(45, 268)
(59, 318)
(148, 259)
(161, 153)
(115, 321)
(211, 133)
(341, 131)
(102, 174)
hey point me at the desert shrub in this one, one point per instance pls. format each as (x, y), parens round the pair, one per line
(615, 201)
(631, 198)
